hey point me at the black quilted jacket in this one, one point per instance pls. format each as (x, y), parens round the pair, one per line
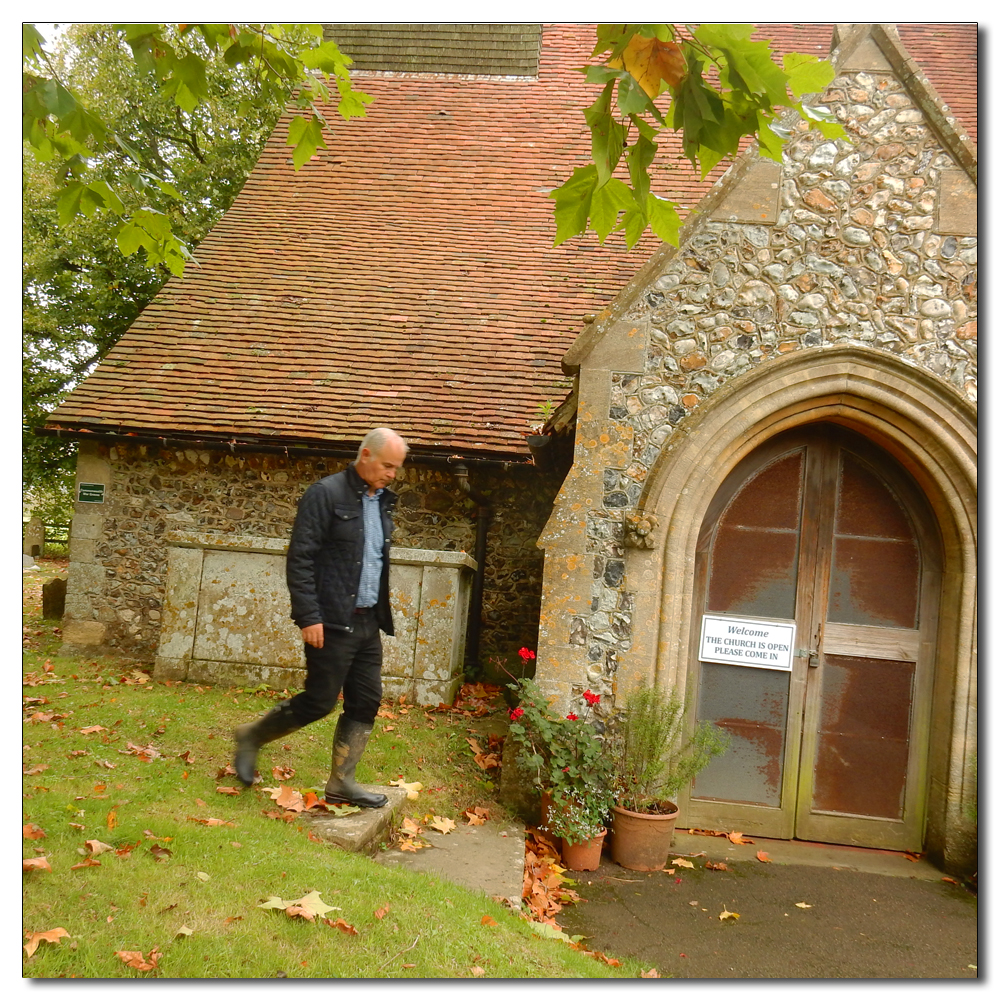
(323, 568)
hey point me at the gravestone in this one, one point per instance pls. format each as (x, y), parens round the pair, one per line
(34, 538)
(54, 598)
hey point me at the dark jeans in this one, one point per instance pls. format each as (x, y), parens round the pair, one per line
(348, 661)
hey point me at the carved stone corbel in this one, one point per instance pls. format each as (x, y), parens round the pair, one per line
(639, 528)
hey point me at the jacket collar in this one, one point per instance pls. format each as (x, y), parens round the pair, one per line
(357, 483)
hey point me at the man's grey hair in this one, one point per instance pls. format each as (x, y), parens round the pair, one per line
(375, 440)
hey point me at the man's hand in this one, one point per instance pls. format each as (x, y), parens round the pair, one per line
(313, 635)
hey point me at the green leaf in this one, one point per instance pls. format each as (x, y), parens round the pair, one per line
(640, 155)
(605, 205)
(326, 58)
(769, 143)
(663, 219)
(69, 201)
(192, 85)
(306, 135)
(632, 99)
(750, 64)
(31, 42)
(572, 198)
(607, 134)
(806, 73)
(109, 199)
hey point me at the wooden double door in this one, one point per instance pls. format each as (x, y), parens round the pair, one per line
(822, 529)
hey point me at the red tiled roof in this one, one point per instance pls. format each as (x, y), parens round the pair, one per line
(406, 276)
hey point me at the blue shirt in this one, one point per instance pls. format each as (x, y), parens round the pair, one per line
(371, 565)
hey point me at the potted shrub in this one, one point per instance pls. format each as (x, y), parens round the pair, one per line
(652, 759)
(568, 764)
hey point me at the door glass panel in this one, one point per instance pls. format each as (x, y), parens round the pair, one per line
(755, 550)
(875, 577)
(751, 704)
(864, 736)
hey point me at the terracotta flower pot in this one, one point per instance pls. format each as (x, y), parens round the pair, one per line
(585, 857)
(641, 841)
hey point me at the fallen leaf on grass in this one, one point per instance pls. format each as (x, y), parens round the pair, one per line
(477, 816)
(88, 863)
(37, 769)
(94, 729)
(210, 821)
(477, 971)
(283, 773)
(652, 974)
(183, 931)
(804, 906)
(308, 906)
(726, 915)
(31, 831)
(159, 853)
(381, 911)
(443, 824)
(340, 924)
(717, 866)
(232, 920)
(52, 937)
(682, 862)
(287, 798)
(488, 921)
(763, 856)
(97, 847)
(227, 790)
(411, 787)
(202, 876)
(134, 959)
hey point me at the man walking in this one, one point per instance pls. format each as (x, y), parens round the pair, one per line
(338, 578)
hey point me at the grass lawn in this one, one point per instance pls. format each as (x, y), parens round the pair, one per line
(137, 866)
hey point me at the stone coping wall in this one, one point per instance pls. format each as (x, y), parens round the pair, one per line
(117, 574)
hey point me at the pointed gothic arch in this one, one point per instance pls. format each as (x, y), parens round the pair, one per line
(928, 428)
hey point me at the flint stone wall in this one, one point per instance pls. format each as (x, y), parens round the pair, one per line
(870, 242)
(118, 556)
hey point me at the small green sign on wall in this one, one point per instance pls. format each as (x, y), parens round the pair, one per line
(90, 493)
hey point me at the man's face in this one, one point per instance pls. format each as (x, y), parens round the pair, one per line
(378, 470)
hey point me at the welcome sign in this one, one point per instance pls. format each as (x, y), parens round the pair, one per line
(746, 642)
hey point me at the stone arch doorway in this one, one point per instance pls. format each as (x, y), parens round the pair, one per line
(821, 531)
(929, 431)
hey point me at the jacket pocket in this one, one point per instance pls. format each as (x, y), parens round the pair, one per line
(346, 521)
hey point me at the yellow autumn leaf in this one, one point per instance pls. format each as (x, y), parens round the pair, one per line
(804, 906)
(411, 787)
(726, 915)
(443, 824)
(682, 862)
(652, 63)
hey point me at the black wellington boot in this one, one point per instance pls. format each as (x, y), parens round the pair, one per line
(280, 721)
(349, 742)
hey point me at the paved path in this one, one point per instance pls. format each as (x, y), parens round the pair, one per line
(869, 914)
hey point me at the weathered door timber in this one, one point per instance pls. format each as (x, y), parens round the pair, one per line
(821, 528)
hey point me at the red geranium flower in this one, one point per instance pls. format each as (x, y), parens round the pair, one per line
(526, 654)
(590, 698)
(516, 713)
(572, 717)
